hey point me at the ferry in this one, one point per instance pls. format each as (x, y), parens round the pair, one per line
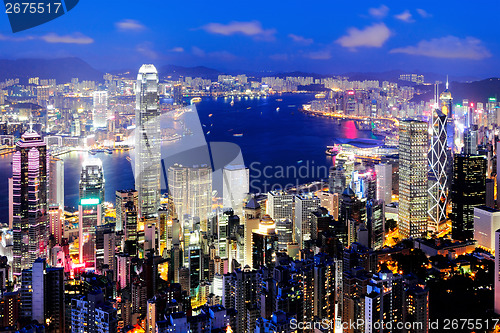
(238, 134)
(195, 100)
(319, 96)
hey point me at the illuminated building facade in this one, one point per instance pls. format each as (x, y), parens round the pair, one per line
(29, 200)
(438, 162)
(147, 142)
(191, 191)
(413, 178)
(264, 243)
(468, 190)
(91, 207)
(100, 109)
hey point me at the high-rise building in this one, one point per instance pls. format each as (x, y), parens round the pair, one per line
(105, 245)
(100, 109)
(383, 172)
(56, 182)
(384, 300)
(56, 223)
(486, 221)
(191, 191)
(305, 204)
(264, 243)
(236, 183)
(280, 205)
(413, 178)
(468, 190)
(29, 200)
(147, 142)
(337, 180)
(470, 140)
(496, 283)
(42, 295)
(438, 162)
(92, 314)
(90, 208)
(123, 200)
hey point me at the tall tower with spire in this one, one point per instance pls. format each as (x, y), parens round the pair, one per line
(439, 159)
(147, 142)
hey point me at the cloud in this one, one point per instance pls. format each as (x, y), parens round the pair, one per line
(76, 38)
(379, 12)
(146, 49)
(300, 39)
(405, 17)
(177, 49)
(423, 13)
(319, 55)
(130, 25)
(449, 47)
(372, 36)
(16, 39)
(219, 55)
(252, 29)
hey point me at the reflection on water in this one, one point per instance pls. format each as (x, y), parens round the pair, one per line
(269, 138)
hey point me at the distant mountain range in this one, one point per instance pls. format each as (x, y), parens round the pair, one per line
(64, 69)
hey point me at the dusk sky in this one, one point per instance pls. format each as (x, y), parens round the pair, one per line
(319, 36)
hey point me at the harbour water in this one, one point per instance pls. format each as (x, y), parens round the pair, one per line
(272, 133)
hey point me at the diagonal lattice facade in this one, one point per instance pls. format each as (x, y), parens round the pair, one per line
(438, 178)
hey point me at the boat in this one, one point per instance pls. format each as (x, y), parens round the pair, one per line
(208, 132)
(249, 107)
(210, 115)
(278, 109)
(319, 96)
(92, 152)
(300, 161)
(279, 100)
(195, 100)
(291, 106)
(109, 151)
(332, 150)
(232, 102)
(238, 134)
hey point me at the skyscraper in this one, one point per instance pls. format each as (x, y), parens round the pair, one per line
(305, 204)
(496, 274)
(383, 172)
(236, 184)
(438, 162)
(413, 178)
(91, 207)
(468, 190)
(126, 200)
(29, 200)
(147, 142)
(100, 109)
(191, 191)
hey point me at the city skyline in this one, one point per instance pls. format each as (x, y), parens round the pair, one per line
(375, 36)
